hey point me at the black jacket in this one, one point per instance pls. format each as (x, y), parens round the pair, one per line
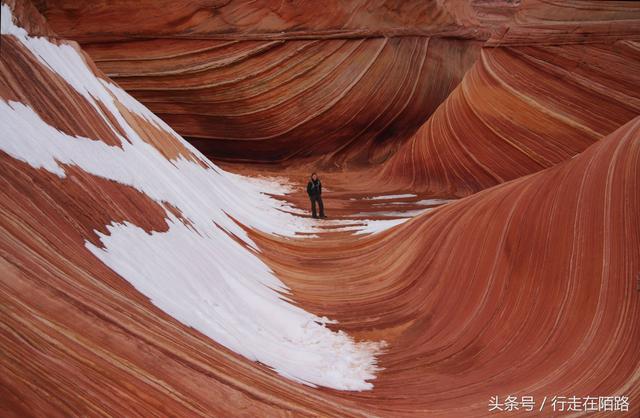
(314, 188)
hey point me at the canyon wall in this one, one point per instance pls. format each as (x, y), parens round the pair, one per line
(138, 278)
(275, 81)
(519, 110)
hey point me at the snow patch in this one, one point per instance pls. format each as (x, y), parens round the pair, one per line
(433, 202)
(197, 274)
(394, 214)
(376, 226)
(425, 202)
(388, 197)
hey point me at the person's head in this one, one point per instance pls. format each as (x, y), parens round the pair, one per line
(314, 176)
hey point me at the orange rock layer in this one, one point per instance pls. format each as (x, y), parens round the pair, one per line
(285, 81)
(345, 85)
(285, 100)
(519, 110)
(528, 287)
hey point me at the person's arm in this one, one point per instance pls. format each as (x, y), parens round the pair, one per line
(319, 187)
(309, 188)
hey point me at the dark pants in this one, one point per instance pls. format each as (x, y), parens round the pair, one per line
(318, 199)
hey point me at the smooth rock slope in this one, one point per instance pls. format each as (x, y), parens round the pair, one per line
(482, 172)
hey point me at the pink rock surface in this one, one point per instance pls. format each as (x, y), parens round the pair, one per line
(526, 285)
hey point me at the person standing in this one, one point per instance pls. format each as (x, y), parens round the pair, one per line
(314, 190)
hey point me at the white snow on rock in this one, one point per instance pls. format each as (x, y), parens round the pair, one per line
(393, 214)
(375, 226)
(196, 273)
(433, 202)
(387, 197)
(425, 202)
(372, 226)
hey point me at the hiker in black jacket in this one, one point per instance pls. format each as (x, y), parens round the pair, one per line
(314, 190)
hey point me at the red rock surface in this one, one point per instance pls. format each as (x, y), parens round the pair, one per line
(290, 99)
(263, 18)
(528, 286)
(515, 289)
(284, 80)
(519, 110)
(290, 81)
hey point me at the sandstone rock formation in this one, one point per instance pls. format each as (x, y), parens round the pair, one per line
(138, 278)
(514, 290)
(285, 80)
(351, 81)
(519, 110)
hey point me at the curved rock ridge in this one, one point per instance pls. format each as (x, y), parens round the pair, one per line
(343, 85)
(229, 297)
(552, 22)
(514, 290)
(138, 278)
(517, 111)
(256, 19)
(282, 101)
(503, 21)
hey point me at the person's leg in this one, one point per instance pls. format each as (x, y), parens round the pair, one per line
(313, 208)
(321, 207)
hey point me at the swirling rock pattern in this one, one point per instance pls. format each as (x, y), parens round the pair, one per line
(519, 110)
(263, 18)
(347, 84)
(528, 286)
(268, 76)
(512, 290)
(290, 99)
(563, 22)
(69, 321)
